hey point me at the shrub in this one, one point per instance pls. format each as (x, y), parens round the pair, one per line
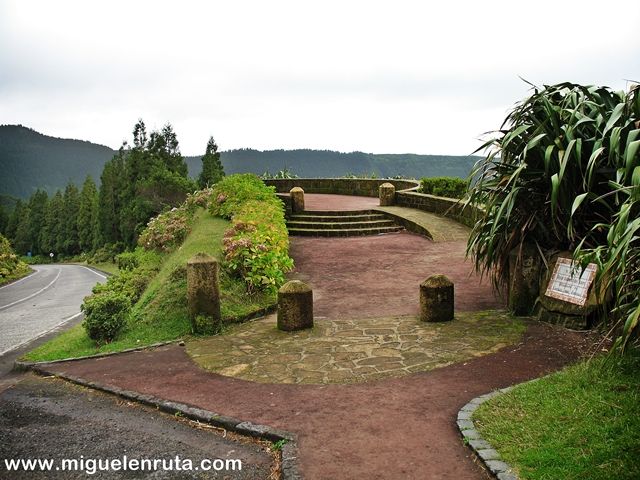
(256, 247)
(451, 187)
(10, 263)
(167, 231)
(563, 173)
(105, 315)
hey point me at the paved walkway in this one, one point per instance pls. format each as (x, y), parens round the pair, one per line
(351, 351)
(398, 428)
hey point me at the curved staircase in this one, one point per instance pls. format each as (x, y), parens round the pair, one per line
(340, 223)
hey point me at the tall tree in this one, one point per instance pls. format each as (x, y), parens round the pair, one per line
(52, 235)
(37, 210)
(88, 215)
(70, 219)
(22, 241)
(212, 169)
(113, 186)
(14, 220)
(4, 220)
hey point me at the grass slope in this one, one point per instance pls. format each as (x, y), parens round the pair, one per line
(580, 423)
(161, 313)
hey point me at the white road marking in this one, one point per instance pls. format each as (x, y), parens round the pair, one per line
(33, 294)
(92, 270)
(31, 275)
(15, 347)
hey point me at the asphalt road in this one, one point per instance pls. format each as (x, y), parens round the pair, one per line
(46, 299)
(52, 420)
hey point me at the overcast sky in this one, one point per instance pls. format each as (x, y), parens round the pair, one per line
(383, 77)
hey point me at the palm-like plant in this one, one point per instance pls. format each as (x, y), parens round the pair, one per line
(563, 173)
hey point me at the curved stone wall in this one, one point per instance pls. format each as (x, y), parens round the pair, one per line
(341, 186)
(406, 194)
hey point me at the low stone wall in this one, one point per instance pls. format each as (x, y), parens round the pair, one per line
(341, 186)
(447, 207)
(406, 194)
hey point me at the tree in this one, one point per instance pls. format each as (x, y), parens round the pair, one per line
(14, 220)
(4, 219)
(52, 236)
(113, 186)
(88, 215)
(69, 219)
(37, 210)
(212, 169)
(22, 241)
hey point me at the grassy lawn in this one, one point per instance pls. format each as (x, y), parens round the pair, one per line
(580, 423)
(161, 313)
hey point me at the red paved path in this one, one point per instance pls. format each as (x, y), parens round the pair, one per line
(400, 428)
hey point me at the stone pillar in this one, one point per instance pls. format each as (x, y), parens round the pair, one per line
(524, 279)
(387, 194)
(203, 291)
(436, 299)
(297, 199)
(295, 306)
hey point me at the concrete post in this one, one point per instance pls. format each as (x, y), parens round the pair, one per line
(297, 199)
(436, 299)
(203, 291)
(295, 306)
(387, 194)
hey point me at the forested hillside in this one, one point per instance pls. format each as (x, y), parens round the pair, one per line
(30, 160)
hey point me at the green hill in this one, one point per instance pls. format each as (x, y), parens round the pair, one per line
(31, 160)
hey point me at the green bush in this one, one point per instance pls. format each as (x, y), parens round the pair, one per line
(105, 315)
(10, 263)
(451, 187)
(256, 247)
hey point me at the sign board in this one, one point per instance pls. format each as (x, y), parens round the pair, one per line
(569, 282)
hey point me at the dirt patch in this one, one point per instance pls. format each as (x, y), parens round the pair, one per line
(402, 428)
(380, 276)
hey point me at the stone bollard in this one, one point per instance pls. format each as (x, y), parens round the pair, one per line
(203, 291)
(387, 194)
(295, 306)
(297, 199)
(436, 299)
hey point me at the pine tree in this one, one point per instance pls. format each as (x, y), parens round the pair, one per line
(88, 215)
(113, 187)
(22, 242)
(52, 235)
(37, 210)
(14, 220)
(71, 244)
(4, 220)
(212, 169)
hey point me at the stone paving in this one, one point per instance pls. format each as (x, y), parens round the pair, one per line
(352, 351)
(442, 229)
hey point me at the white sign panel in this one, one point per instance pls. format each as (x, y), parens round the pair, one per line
(569, 282)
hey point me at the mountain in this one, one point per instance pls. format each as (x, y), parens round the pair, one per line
(31, 160)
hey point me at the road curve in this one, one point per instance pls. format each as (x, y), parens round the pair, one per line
(47, 298)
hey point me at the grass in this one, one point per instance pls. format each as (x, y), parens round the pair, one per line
(161, 313)
(580, 423)
(108, 267)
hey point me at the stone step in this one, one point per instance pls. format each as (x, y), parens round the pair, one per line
(338, 217)
(339, 225)
(350, 232)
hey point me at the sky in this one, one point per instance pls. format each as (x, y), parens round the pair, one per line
(374, 76)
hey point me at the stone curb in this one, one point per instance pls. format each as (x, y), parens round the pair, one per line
(289, 452)
(483, 449)
(22, 366)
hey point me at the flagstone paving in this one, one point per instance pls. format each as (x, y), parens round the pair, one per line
(352, 351)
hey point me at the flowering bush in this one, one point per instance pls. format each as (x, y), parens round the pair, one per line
(167, 231)
(256, 247)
